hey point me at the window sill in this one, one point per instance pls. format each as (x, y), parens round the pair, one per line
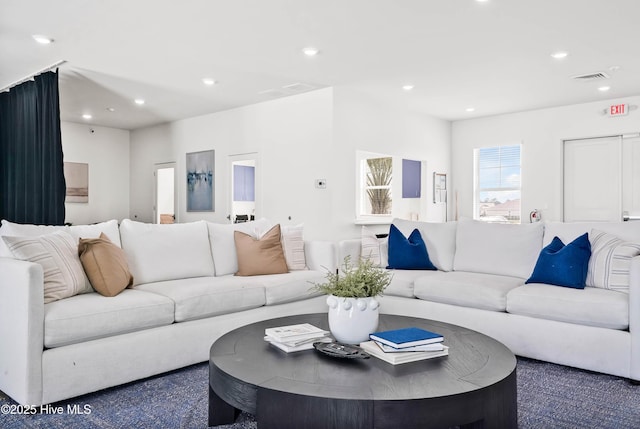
(374, 221)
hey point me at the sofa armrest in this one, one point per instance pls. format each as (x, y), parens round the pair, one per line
(320, 255)
(21, 330)
(350, 248)
(634, 317)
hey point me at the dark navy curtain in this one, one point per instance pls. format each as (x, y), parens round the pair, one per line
(32, 185)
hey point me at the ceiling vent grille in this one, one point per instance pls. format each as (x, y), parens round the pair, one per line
(590, 77)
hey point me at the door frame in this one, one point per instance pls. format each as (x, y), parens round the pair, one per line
(161, 166)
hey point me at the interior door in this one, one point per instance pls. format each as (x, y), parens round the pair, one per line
(245, 187)
(602, 179)
(164, 209)
(631, 177)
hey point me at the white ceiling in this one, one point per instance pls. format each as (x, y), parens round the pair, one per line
(494, 56)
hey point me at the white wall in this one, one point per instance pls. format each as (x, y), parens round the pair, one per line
(541, 133)
(361, 123)
(291, 135)
(298, 142)
(106, 150)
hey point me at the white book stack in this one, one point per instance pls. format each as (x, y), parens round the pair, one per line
(294, 338)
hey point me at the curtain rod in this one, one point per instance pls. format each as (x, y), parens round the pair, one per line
(31, 76)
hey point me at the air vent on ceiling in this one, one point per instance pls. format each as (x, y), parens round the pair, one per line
(590, 76)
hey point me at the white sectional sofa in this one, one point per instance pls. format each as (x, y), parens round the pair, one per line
(184, 296)
(480, 284)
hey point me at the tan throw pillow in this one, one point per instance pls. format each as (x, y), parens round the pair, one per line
(260, 256)
(105, 265)
(57, 253)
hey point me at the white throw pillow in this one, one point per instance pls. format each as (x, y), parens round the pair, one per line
(160, 252)
(57, 253)
(610, 261)
(373, 248)
(439, 237)
(293, 245)
(223, 246)
(493, 248)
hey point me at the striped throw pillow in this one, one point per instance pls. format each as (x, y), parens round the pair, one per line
(57, 253)
(610, 261)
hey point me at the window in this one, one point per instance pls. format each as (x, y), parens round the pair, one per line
(375, 185)
(497, 184)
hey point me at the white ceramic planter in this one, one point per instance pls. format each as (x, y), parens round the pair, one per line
(351, 320)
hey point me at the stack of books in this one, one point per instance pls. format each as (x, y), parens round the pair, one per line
(294, 338)
(405, 345)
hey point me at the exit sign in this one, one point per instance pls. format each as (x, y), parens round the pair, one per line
(618, 110)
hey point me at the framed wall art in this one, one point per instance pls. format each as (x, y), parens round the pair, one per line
(200, 169)
(76, 176)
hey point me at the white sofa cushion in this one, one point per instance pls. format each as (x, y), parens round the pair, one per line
(293, 286)
(57, 253)
(610, 261)
(589, 306)
(91, 316)
(11, 229)
(110, 228)
(502, 249)
(200, 297)
(567, 232)
(223, 247)
(476, 290)
(158, 252)
(402, 281)
(440, 238)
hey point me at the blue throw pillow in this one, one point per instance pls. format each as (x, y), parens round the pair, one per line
(408, 253)
(562, 265)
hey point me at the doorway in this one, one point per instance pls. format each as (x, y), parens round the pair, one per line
(602, 178)
(164, 209)
(245, 187)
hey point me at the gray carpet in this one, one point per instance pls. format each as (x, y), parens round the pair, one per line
(549, 396)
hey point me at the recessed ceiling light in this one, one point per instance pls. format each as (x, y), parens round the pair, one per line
(482, 1)
(87, 116)
(310, 51)
(407, 87)
(111, 109)
(604, 88)
(559, 55)
(139, 101)
(42, 39)
(470, 109)
(208, 81)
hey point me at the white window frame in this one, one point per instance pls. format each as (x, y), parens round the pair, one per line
(477, 190)
(361, 189)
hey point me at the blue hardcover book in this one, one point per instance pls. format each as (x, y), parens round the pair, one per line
(406, 337)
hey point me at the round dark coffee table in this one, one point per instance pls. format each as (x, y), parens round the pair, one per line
(473, 387)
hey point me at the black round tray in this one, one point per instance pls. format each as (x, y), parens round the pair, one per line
(339, 350)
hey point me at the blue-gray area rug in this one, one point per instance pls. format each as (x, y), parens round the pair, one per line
(549, 396)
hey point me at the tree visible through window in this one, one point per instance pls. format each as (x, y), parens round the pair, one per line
(379, 174)
(497, 187)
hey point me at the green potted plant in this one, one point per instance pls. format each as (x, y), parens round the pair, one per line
(351, 290)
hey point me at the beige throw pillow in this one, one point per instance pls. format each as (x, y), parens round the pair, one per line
(105, 265)
(58, 255)
(260, 256)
